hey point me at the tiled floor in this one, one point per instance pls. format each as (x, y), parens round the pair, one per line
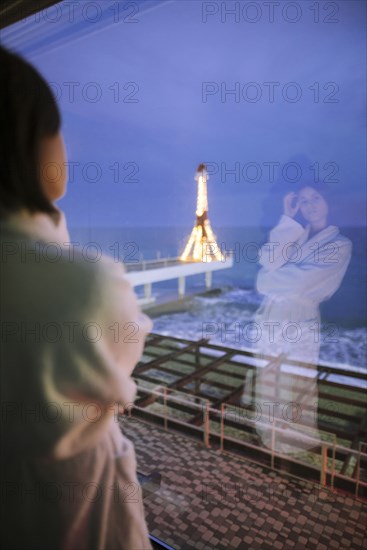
(210, 499)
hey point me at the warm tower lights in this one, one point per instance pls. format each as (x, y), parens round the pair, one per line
(202, 246)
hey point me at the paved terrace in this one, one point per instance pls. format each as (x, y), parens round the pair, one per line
(219, 488)
(212, 500)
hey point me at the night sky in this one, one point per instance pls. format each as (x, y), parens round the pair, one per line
(150, 117)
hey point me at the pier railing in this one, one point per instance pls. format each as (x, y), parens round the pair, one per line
(144, 265)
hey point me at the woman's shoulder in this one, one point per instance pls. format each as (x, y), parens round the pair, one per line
(37, 272)
(341, 239)
(339, 243)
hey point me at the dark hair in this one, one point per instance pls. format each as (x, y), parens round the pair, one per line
(320, 187)
(324, 191)
(28, 113)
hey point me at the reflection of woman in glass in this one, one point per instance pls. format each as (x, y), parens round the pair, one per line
(301, 267)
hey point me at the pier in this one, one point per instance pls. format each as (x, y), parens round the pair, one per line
(153, 271)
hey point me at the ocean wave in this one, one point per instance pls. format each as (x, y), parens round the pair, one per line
(222, 319)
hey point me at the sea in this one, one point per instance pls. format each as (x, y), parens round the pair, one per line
(343, 337)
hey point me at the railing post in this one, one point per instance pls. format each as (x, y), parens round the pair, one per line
(206, 423)
(333, 465)
(222, 412)
(358, 473)
(165, 406)
(323, 465)
(272, 443)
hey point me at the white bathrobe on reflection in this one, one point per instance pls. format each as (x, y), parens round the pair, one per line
(69, 471)
(297, 274)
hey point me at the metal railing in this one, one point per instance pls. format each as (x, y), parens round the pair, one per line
(145, 265)
(329, 447)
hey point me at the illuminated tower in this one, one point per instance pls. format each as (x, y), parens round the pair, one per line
(202, 246)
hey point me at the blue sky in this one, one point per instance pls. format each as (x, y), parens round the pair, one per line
(159, 138)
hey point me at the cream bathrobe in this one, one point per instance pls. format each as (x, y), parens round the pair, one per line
(297, 274)
(72, 333)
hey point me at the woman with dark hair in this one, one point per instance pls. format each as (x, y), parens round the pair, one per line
(72, 333)
(303, 264)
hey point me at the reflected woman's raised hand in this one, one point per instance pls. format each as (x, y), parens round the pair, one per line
(290, 204)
